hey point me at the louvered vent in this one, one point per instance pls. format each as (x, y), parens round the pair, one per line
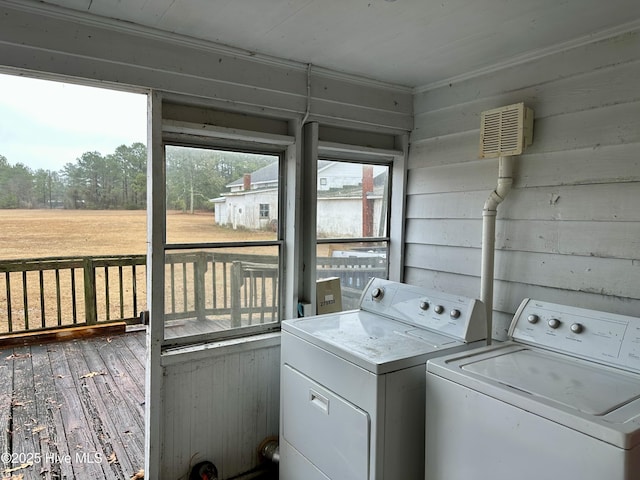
(506, 131)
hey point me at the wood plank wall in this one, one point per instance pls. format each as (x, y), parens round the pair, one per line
(219, 405)
(569, 232)
(45, 39)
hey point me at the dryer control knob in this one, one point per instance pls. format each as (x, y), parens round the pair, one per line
(424, 305)
(533, 318)
(438, 309)
(577, 328)
(377, 293)
(455, 313)
(554, 323)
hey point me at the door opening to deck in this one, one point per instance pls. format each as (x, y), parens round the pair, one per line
(72, 204)
(72, 260)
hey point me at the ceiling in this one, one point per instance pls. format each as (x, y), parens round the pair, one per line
(405, 42)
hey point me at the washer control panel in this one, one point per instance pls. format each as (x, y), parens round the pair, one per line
(453, 315)
(603, 337)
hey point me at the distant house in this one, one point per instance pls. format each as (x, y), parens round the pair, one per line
(252, 201)
(349, 200)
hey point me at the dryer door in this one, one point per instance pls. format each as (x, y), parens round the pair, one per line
(330, 432)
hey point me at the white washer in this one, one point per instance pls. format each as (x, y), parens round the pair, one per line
(560, 400)
(352, 383)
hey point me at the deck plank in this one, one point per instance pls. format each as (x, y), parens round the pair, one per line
(24, 422)
(79, 428)
(127, 357)
(119, 409)
(6, 394)
(96, 413)
(50, 430)
(67, 425)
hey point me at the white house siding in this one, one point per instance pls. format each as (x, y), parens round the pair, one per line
(569, 231)
(342, 217)
(342, 174)
(243, 210)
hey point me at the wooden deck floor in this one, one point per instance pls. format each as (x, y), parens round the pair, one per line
(73, 410)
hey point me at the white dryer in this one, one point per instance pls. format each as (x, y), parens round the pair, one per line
(352, 383)
(560, 400)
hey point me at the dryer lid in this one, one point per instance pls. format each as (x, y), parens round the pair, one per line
(376, 343)
(590, 388)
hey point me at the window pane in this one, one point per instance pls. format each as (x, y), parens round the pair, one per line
(352, 200)
(211, 290)
(220, 196)
(355, 264)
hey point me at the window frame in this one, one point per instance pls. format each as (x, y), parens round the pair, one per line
(196, 135)
(335, 143)
(278, 242)
(395, 158)
(383, 240)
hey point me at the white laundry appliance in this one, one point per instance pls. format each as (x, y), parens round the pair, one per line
(352, 383)
(559, 400)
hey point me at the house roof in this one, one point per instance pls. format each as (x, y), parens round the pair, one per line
(262, 175)
(268, 174)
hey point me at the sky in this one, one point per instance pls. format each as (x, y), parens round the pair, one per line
(46, 124)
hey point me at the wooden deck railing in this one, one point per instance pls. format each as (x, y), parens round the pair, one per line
(70, 291)
(242, 289)
(207, 284)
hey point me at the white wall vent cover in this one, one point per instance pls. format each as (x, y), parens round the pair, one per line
(506, 131)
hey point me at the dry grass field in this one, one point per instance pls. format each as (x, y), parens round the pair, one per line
(36, 234)
(53, 233)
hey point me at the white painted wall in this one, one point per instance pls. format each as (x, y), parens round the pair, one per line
(569, 232)
(219, 405)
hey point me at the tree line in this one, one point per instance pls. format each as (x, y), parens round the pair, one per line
(119, 180)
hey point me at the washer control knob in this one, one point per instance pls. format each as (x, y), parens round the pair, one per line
(438, 309)
(455, 313)
(377, 293)
(424, 305)
(577, 328)
(554, 323)
(533, 318)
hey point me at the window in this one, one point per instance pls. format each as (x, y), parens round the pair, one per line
(222, 258)
(352, 225)
(264, 210)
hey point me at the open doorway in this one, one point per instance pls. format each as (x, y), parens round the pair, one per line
(72, 263)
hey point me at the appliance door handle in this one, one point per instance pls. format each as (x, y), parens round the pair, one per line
(319, 401)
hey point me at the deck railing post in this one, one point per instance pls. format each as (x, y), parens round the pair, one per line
(199, 271)
(236, 298)
(90, 304)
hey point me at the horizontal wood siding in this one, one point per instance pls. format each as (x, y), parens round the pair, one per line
(219, 406)
(117, 53)
(569, 231)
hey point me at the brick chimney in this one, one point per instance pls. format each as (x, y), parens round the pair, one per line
(367, 203)
(246, 179)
